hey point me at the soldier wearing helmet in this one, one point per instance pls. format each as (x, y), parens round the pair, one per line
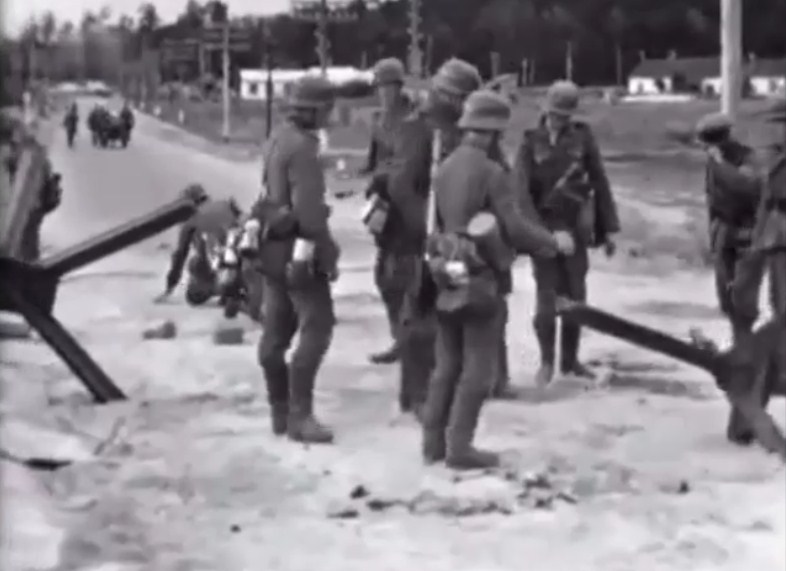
(424, 138)
(298, 265)
(733, 188)
(769, 242)
(389, 82)
(560, 171)
(469, 182)
(199, 237)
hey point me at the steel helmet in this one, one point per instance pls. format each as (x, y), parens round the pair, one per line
(713, 125)
(485, 110)
(311, 92)
(389, 71)
(562, 98)
(456, 77)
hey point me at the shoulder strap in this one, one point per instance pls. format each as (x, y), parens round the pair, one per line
(436, 155)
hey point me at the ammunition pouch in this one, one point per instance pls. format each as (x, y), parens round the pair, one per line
(375, 215)
(574, 203)
(276, 222)
(466, 286)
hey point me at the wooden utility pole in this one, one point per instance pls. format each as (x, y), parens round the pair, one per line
(415, 53)
(731, 56)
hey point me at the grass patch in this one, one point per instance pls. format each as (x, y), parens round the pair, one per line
(621, 128)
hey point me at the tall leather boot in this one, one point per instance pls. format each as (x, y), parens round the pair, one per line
(434, 417)
(464, 416)
(502, 389)
(546, 333)
(569, 347)
(302, 426)
(738, 430)
(277, 383)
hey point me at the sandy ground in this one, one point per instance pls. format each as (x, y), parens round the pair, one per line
(634, 474)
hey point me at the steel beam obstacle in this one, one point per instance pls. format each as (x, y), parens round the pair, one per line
(30, 289)
(748, 373)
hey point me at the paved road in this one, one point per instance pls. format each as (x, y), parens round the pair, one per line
(191, 478)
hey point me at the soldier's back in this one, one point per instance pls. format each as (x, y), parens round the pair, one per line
(285, 146)
(461, 186)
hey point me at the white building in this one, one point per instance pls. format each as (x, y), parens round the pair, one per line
(252, 81)
(765, 78)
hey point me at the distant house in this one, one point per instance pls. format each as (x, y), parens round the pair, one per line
(671, 75)
(253, 81)
(765, 78)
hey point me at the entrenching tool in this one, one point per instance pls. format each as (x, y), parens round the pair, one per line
(746, 372)
(30, 289)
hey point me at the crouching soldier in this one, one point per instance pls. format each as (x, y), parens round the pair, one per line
(392, 263)
(479, 229)
(733, 186)
(202, 236)
(559, 171)
(425, 138)
(299, 259)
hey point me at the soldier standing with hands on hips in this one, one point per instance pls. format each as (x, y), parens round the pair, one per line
(472, 277)
(391, 264)
(299, 257)
(559, 170)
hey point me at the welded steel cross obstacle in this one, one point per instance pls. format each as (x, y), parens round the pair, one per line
(30, 288)
(748, 373)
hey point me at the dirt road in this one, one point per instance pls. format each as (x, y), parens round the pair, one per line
(185, 476)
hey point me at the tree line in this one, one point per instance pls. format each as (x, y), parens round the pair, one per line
(601, 39)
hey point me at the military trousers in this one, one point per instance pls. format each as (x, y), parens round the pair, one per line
(503, 371)
(465, 372)
(738, 277)
(417, 336)
(770, 378)
(561, 276)
(308, 313)
(201, 281)
(393, 275)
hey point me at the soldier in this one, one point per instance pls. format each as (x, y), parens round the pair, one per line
(467, 183)
(71, 122)
(299, 264)
(733, 185)
(201, 235)
(426, 137)
(560, 171)
(390, 266)
(770, 230)
(127, 118)
(769, 241)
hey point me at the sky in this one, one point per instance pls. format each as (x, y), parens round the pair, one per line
(17, 12)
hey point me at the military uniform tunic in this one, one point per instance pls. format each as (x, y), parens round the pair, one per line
(542, 162)
(733, 188)
(295, 179)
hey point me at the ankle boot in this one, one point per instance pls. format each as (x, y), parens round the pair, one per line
(546, 332)
(302, 426)
(464, 416)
